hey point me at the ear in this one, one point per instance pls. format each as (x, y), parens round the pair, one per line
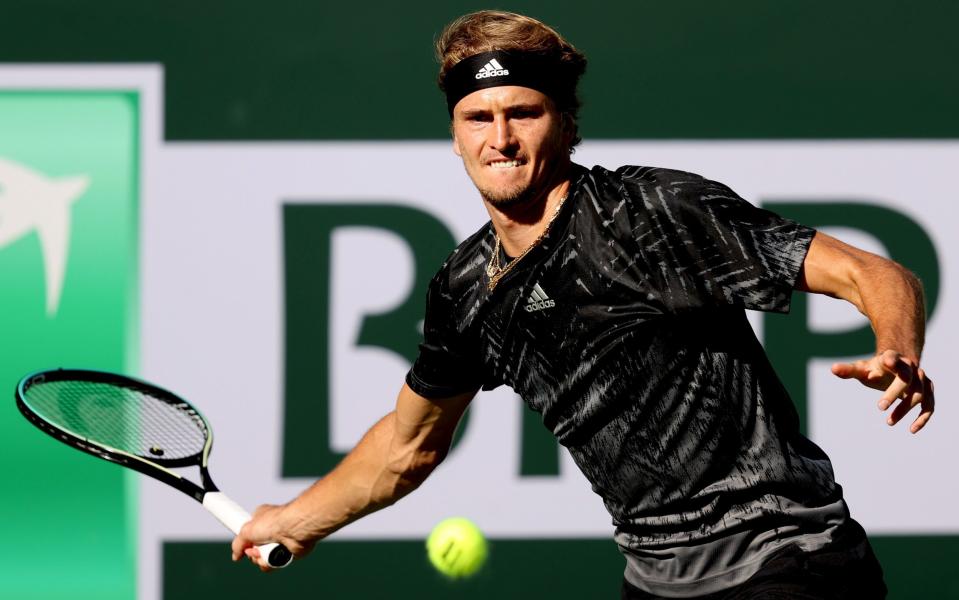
(568, 127)
(456, 143)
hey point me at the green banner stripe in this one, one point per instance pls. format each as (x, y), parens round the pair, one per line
(916, 567)
(658, 70)
(516, 569)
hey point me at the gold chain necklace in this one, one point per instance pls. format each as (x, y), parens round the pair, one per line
(495, 271)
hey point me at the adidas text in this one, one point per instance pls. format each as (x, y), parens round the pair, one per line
(492, 69)
(497, 73)
(540, 305)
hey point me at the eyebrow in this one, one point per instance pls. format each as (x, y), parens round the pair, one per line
(476, 112)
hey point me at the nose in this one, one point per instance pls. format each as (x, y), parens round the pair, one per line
(501, 134)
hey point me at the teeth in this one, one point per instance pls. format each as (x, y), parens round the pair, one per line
(502, 164)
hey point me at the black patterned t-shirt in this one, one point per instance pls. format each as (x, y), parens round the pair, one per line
(625, 329)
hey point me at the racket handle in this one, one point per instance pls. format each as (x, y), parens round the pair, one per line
(235, 517)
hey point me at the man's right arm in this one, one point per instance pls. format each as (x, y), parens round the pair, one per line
(394, 457)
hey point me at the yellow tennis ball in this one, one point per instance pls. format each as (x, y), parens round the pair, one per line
(456, 547)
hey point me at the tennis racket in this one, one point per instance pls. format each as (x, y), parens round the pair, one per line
(137, 425)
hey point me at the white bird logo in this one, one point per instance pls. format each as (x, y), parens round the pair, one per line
(32, 201)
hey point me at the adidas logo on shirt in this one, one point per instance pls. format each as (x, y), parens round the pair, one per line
(538, 300)
(491, 69)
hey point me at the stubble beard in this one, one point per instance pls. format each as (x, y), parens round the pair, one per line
(516, 195)
(509, 198)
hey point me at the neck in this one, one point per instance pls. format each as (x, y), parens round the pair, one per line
(519, 226)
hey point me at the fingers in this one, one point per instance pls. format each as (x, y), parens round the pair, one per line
(266, 525)
(906, 381)
(928, 404)
(856, 370)
(901, 379)
(897, 389)
(919, 393)
(251, 534)
(258, 559)
(243, 546)
(868, 372)
(849, 370)
(241, 543)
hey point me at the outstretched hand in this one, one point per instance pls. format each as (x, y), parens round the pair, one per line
(900, 378)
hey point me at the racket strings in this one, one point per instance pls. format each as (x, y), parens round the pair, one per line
(125, 418)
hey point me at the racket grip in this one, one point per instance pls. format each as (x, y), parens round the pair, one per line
(235, 517)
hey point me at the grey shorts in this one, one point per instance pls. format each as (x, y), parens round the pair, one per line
(845, 569)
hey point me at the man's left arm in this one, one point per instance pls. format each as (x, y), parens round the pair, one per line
(891, 297)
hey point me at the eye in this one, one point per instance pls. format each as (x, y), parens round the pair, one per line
(525, 112)
(478, 117)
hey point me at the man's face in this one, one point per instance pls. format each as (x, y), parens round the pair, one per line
(513, 143)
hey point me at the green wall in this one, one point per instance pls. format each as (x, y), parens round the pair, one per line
(288, 70)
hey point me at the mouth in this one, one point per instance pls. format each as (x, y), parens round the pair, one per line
(506, 164)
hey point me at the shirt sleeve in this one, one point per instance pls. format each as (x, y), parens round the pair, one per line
(447, 363)
(706, 246)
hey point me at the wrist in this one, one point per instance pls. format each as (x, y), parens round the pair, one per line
(306, 523)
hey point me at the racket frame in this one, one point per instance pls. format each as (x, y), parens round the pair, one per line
(158, 468)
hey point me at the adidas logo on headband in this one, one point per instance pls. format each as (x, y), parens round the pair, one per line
(491, 69)
(542, 73)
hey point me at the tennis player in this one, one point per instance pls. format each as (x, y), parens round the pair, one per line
(613, 302)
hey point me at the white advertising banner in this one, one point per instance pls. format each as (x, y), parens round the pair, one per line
(213, 322)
